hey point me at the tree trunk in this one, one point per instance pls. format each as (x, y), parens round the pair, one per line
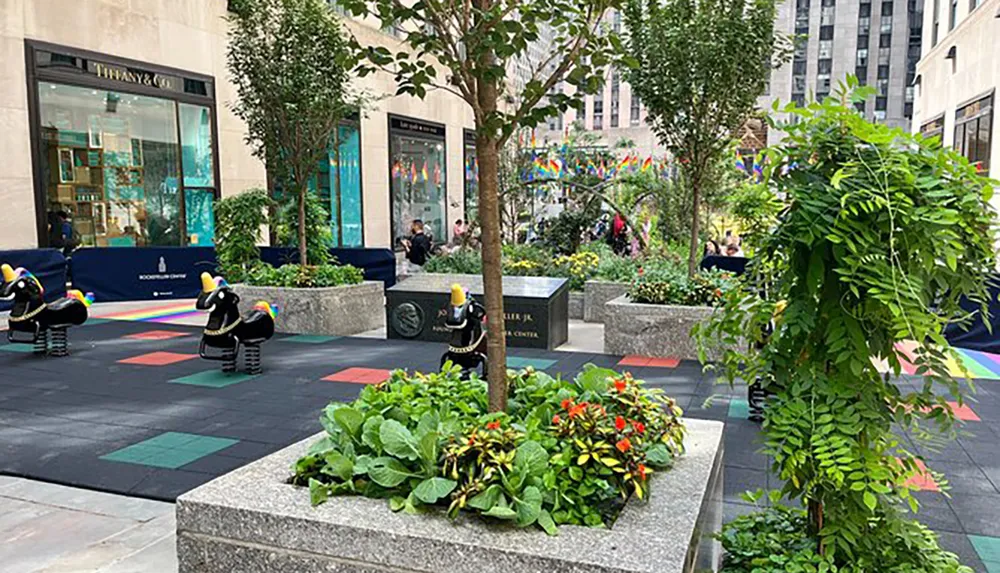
(695, 212)
(487, 150)
(815, 517)
(303, 256)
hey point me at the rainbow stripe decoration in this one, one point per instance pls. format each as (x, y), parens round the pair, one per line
(166, 313)
(266, 307)
(740, 164)
(87, 299)
(980, 365)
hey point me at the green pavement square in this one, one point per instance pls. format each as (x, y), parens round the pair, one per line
(25, 348)
(738, 408)
(988, 549)
(536, 363)
(96, 321)
(170, 450)
(213, 379)
(309, 339)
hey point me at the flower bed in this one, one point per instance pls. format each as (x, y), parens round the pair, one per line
(566, 452)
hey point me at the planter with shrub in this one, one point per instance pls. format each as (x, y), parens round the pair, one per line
(585, 475)
(657, 314)
(326, 300)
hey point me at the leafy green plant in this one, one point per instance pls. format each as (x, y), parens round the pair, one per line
(755, 208)
(884, 234)
(672, 287)
(461, 262)
(577, 267)
(298, 276)
(774, 540)
(318, 235)
(238, 220)
(565, 452)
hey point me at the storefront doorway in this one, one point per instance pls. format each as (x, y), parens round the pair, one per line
(125, 153)
(417, 177)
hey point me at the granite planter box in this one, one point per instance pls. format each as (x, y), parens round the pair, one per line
(596, 294)
(652, 329)
(576, 305)
(331, 311)
(251, 520)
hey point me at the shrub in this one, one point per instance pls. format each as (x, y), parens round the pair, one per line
(238, 220)
(298, 276)
(577, 268)
(564, 452)
(775, 540)
(673, 287)
(461, 262)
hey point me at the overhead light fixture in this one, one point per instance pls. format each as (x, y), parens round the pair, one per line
(918, 80)
(952, 53)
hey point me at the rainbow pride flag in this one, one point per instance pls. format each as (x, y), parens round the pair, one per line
(980, 365)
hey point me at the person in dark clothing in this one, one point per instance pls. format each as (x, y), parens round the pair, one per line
(417, 247)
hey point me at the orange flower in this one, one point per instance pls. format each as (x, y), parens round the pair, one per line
(556, 419)
(577, 410)
(494, 425)
(641, 271)
(620, 386)
(566, 404)
(639, 426)
(472, 440)
(623, 445)
(619, 423)
(718, 293)
(642, 471)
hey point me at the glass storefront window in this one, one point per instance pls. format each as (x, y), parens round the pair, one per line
(418, 183)
(112, 162)
(471, 173)
(196, 145)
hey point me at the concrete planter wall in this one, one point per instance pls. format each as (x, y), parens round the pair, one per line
(251, 520)
(333, 311)
(596, 294)
(576, 305)
(652, 329)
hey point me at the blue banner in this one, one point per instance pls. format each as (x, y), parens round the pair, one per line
(976, 335)
(49, 265)
(147, 273)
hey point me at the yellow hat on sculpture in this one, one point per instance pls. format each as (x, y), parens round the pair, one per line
(8, 273)
(457, 295)
(207, 283)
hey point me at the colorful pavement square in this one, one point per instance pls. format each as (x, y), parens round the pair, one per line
(170, 450)
(158, 359)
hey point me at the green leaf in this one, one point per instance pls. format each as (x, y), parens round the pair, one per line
(432, 489)
(370, 433)
(397, 503)
(576, 473)
(529, 506)
(349, 419)
(658, 456)
(361, 464)
(485, 500)
(594, 379)
(531, 459)
(398, 441)
(338, 465)
(546, 523)
(388, 472)
(429, 448)
(318, 492)
(322, 446)
(870, 500)
(501, 510)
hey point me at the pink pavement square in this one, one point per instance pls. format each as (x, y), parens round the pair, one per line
(356, 375)
(158, 358)
(157, 335)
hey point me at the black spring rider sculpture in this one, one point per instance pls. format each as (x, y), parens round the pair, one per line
(32, 319)
(226, 330)
(466, 319)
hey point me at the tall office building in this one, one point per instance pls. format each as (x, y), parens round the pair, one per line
(876, 40)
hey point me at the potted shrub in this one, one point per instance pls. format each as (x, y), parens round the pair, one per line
(601, 464)
(657, 314)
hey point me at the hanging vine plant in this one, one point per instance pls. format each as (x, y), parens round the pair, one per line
(883, 234)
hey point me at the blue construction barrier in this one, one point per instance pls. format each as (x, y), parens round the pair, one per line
(49, 265)
(143, 273)
(976, 336)
(378, 264)
(735, 265)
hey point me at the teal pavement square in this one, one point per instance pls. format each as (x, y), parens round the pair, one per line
(738, 408)
(169, 450)
(536, 363)
(988, 549)
(17, 348)
(213, 379)
(308, 339)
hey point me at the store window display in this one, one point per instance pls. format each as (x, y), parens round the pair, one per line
(418, 181)
(117, 164)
